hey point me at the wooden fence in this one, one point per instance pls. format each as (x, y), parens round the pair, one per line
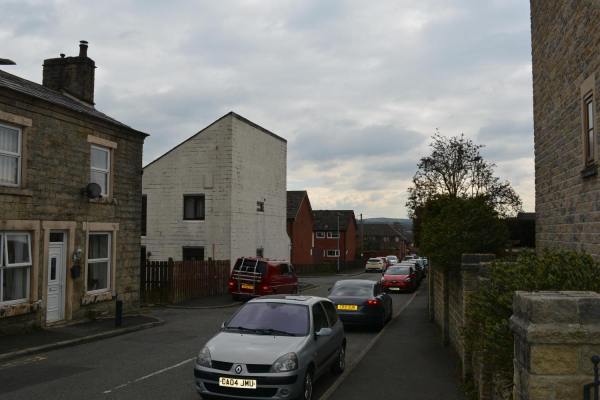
(164, 282)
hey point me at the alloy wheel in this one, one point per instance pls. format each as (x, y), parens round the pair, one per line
(342, 358)
(308, 386)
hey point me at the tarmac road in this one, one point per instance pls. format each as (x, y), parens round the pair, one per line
(151, 364)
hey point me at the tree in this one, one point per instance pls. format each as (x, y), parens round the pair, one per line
(457, 226)
(455, 168)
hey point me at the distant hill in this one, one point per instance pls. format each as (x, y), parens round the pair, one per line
(406, 223)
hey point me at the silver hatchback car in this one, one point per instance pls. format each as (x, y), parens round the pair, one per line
(274, 347)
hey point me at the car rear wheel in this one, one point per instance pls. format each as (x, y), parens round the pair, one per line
(381, 323)
(339, 365)
(235, 297)
(307, 388)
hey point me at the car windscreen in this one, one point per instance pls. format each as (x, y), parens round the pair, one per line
(397, 271)
(288, 318)
(354, 289)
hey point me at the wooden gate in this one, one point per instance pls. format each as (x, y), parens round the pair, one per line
(165, 282)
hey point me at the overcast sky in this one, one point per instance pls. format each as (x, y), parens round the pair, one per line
(356, 87)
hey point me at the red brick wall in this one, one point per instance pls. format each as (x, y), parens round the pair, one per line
(300, 232)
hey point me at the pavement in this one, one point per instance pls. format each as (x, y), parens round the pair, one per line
(408, 361)
(18, 345)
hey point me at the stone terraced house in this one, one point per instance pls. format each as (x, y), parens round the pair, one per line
(566, 84)
(65, 253)
(221, 194)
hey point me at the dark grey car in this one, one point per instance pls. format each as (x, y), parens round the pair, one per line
(274, 347)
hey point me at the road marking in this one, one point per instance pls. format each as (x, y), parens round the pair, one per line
(149, 375)
(309, 289)
(350, 367)
(22, 362)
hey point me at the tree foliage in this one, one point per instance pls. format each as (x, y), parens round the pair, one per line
(455, 168)
(487, 331)
(457, 226)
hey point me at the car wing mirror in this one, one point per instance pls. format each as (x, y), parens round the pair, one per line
(223, 326)
(323, 332)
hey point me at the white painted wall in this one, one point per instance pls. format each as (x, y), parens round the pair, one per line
(246, 165)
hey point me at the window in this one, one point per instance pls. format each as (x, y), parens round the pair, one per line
(193, 253)
(15, 264)
(10, 156)
(259, 253)
(320, 235)
(331, 312)
(100, 163)
(333, 235)
(98, 275)
(144, 214)
(319, 317)
(589, 130)
(193, 207)
(333, 253)
(397, 239)
(285, 269)
(260, 206)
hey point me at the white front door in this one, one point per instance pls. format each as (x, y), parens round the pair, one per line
(56, 283)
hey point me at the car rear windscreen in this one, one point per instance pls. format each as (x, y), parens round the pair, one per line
(352, 289)
(290, 318)
(251, 266)
(374, 260)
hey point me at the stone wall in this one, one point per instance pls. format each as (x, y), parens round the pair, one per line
(556, 333)
(565, 35)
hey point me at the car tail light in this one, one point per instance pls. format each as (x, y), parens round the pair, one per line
(265, 288)
(373, 302)
(230, 283)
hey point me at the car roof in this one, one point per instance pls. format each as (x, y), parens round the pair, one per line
(356, 281)
(288, 299)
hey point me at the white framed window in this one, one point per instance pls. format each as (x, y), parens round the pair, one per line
(10, 155)
(320, 235)
(99, 263)
(15, 266)
(333, 235)
(333, 253)
(100, 163)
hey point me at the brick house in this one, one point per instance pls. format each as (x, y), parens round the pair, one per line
(328, 226)
(221, 194)
(380, 240)
(566, 83)
(65, 252)
(299, 227)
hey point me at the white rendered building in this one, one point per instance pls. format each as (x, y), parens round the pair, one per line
(221, 194)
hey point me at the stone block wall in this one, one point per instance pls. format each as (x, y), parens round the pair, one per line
(556, 333)
(565, 35)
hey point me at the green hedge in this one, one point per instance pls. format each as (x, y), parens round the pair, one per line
(487, 331)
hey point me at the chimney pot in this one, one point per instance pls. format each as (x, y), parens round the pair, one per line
(83, 46)
(62, 55)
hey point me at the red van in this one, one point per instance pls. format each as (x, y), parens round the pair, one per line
(255, 277)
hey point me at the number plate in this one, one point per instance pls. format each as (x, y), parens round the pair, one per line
(238, 383)
(345, 307)
(394, 288)
(247, 287)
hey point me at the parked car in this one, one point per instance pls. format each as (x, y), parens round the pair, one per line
(362, 302)
(386, 260)
(255, 277)
(377, 264)
(398, 278)
(408, 258)
(272, 347)
(393, 260)
(418, 269)
(420, 262)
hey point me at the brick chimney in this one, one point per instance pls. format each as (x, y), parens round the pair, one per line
(74, 75)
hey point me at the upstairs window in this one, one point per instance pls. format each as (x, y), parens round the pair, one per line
(10, 156)
(259, 253)
(193, 207)
(320, 235)
(260, 206)
(589, 130)
(333, 235)
(100, 163)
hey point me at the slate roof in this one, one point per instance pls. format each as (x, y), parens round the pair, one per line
(326, 220)
(379, 230)
(294, 201)
(36, 90)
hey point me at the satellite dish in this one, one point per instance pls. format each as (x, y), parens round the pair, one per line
(93, 190)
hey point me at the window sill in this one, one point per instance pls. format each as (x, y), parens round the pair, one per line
(194, 220)
(97, 298)
(104, 200)
(589, 171)
(25, 307)
(16, 191)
